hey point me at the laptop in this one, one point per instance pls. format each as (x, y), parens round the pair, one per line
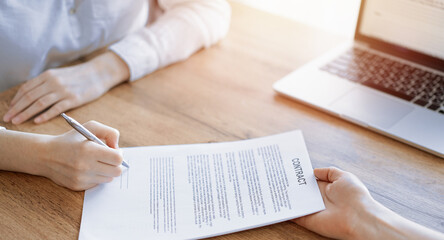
(389, 79)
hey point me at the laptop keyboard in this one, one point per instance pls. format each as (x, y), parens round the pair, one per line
(413, 84)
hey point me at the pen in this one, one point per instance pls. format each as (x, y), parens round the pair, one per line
(82, 130)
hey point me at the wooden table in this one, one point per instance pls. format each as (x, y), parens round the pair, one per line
(221, 94)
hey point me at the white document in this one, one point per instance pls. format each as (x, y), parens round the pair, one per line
(202, 190)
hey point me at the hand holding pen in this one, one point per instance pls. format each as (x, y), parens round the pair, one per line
(70, 161)
(87, 134)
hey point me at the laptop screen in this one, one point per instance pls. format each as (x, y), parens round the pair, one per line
(409, 27)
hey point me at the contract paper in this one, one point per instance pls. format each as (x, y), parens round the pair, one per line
(202, 190)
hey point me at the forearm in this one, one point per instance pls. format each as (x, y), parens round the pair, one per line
(185, 27)
(22, 152)
(379, 222)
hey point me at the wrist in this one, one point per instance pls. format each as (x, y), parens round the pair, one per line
(111, 69)
(44, 149)
(378, 222)
(369, 220)
(35, 158)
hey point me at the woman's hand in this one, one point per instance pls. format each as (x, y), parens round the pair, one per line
(345, 197)
(351, 213)
(58, 90)
(79, 164)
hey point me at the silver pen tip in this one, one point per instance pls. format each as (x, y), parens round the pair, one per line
(64, 115)
(125, 164)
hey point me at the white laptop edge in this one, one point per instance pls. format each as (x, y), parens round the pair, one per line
(321, 90)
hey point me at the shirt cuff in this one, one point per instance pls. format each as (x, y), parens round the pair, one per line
(140, 56)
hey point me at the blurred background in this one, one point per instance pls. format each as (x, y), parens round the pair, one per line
(335, 16)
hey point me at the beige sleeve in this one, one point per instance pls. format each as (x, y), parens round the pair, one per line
(184, 27)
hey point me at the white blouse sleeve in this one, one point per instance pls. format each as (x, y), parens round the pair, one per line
(184, 27)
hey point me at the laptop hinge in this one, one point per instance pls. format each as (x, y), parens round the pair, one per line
(361, 44)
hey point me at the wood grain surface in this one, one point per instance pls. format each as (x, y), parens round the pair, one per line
(224, 93)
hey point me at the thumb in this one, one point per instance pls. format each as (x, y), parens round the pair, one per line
(329, 174)
(104, 132)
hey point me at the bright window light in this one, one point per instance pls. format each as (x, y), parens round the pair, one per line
(336, 16)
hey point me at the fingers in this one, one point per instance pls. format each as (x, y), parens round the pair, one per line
(107, 170)
(101, 179)
(114, 159)
(323, 187)
(105, 156)
(26, 87)
(72, 86)
(79, 164)
(301, 221)
(88, 183)
(92, 174)
(109, 134)
(40, 104)
(54, 111)
(311, 220)
(329, 174)
(87, 173)
(54, 89)
(24, 102)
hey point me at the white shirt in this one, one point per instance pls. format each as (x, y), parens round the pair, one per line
(146, 34)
